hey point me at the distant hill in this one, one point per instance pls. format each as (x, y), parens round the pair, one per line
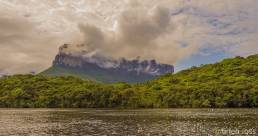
(98, 68)
(225, 72)
(230, 83)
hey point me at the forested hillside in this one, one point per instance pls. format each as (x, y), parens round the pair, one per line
(230, 83)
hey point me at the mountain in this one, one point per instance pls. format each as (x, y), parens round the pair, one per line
(230, 83)
(98, 68)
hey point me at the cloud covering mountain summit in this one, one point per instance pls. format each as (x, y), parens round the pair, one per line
(135, 34)
(167, 30)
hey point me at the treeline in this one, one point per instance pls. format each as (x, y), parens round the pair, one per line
(230, 83)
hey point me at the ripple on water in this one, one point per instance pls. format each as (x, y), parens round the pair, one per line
(127, 122)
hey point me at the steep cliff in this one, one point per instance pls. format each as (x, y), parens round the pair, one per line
(99, 68)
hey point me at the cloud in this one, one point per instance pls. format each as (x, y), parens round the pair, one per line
(21, 45)
(138, 32)
(172, 34)
(167, 30)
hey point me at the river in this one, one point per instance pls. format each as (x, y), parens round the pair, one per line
(95, 122)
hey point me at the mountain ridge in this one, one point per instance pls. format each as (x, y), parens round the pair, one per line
(95, 67)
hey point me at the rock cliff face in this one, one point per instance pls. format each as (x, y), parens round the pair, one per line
(99, 68)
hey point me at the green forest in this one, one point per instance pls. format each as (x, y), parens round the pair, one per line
(229, 83)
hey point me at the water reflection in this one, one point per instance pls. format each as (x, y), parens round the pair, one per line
(181, 122)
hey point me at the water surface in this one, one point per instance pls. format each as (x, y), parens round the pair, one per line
(175, 122)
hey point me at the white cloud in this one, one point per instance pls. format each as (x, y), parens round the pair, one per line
(32, 30)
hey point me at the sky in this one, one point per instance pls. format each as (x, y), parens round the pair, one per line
(178, 32)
